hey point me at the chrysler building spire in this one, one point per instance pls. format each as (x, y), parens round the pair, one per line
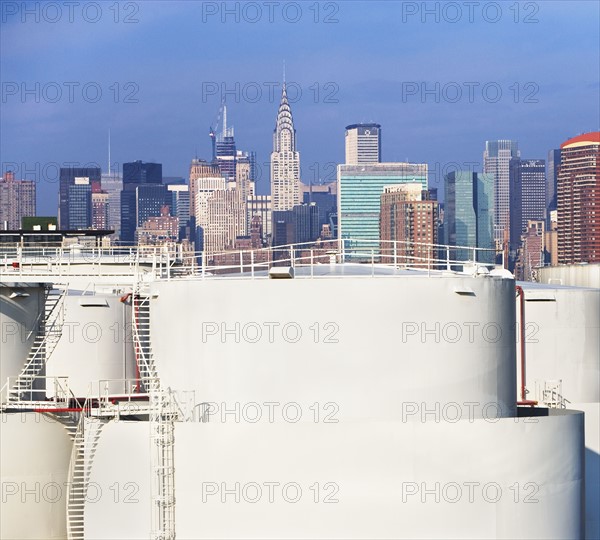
(285, 160)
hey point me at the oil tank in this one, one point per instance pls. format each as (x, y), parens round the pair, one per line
(34, 464)
(21, 312)
(95, 345)
(383, 347)
(562, 339)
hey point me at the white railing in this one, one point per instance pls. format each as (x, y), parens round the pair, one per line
(50, 392)
(550, 394)
(150, 263)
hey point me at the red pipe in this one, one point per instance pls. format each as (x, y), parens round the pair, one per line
(136, 312)
(64, 409)
(124, 299)
(523, 400)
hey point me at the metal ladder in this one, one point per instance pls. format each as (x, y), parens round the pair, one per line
(84, 430)
(162, 416)
(552, 395)
(47, 336)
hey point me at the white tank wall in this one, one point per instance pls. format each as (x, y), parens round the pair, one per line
(96, 344)
(34, 463)
(563, 343)
(384, 345)
(592, 467)
(520, 489)
(122, 489)
(563, 340)
(19, 325)
(576, 275)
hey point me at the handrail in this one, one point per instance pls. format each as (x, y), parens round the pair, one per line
(62, 393)
(164, 263)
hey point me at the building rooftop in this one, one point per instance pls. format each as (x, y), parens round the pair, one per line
(591, 138)
(367, 125)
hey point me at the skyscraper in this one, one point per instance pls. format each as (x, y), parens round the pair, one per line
(359, 196)
(136, 175)
(199, 169)
(243, 187)
(551, 181)
(150, 199)
(112, 184)
(527, 196)
(496, 161)
(469, 213)
(297, 226)
(99, 209)
(260, 206)
(551, 240)
(17, 200)
(579, 200)
(325, 197)
(225, 150)
(363, 144)
(285, 160)
(531, 252)
(80, 204)
(409, 218)
(219, 213)
(180, 208)
(243, 172)
(139, 172)
(67, 180)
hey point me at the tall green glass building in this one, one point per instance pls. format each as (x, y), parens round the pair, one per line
(359, 198)
(469, 213)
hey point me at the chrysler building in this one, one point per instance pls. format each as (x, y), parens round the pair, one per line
(285, 161)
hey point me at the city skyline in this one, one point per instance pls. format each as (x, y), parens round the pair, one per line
(437, 172)
(170, 122)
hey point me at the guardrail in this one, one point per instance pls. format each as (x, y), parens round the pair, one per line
(162, 263)
(49, 391)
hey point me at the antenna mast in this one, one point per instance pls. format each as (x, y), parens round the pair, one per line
(109, 151)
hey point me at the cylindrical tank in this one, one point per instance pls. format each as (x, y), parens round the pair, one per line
(35, 452)
(21, 312)
(95, 345)
(562, 337)
(381, 348)
(562, 340)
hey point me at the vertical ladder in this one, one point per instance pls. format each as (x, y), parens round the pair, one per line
(162, 415)
(48, 334)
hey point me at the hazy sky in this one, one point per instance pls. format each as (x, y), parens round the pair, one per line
(440, 77)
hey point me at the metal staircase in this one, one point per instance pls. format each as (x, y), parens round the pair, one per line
(550, 393)
(141, 339)
(50, 324)
(162, 415)
(85, 432)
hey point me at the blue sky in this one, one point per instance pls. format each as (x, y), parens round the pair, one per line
(353, 62)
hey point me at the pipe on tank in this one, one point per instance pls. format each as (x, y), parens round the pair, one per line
(136, 314)
(523, 400)
(135, 308)
(59, 410)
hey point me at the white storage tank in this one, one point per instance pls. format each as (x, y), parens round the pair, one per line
(95, 345)
(35, 452)
(21, 312)
(383, 347)
(562, 337)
